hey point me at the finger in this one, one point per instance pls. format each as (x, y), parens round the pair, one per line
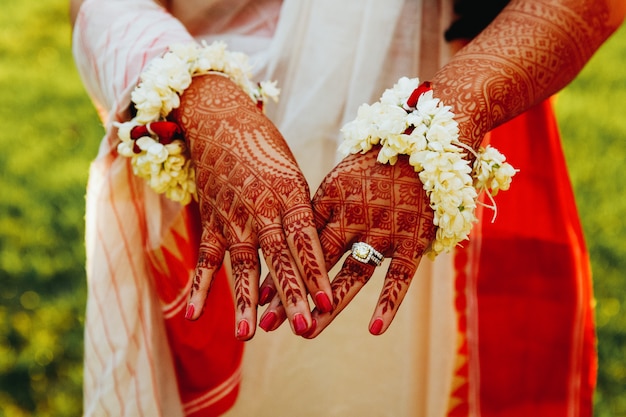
(328, 215)
(399, 275)
(334, 243)
(307, 252)
(274, 315)
(346, 285)
(267, 290)
(246, 270)
(210, 258)
(322, 205)
(286, 275)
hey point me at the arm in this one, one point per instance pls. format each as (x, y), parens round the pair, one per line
(531, 50)
(119, 42)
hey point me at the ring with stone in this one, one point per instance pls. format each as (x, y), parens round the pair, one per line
(366, 254)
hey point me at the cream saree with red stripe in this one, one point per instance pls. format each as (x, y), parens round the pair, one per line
(142, 358)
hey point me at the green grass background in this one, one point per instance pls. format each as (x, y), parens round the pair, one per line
(49, 133)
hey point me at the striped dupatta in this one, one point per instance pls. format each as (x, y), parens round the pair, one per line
(141, 357)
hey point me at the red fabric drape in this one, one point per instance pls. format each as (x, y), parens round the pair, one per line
(206, 355)
(536, 336)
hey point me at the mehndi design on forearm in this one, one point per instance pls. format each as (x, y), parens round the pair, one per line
(529, 52)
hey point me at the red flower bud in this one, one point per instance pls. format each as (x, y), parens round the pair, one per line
(415, 95)
(138, 132)
(166, 131)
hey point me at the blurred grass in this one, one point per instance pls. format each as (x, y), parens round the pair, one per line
(51, 132)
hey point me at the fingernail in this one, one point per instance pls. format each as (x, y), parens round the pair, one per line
(268, 321)
(299, 324)
(243, 328)
(376, 326)
(311, 330)
(190, 310)
(323, 302)
(266, 295)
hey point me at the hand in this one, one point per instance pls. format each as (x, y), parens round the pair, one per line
(252, 194)
(385, 206)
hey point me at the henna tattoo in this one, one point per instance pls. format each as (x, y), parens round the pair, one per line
(245, 261)
(251, 191)
(382, 218)
(529, 52)
(209, 258)
(355, 214)
(299, 218)
(381, 189)
(333, 245)
(353, 275)
(389, 205)
(389, 209)
(276, 251)
(304, 246)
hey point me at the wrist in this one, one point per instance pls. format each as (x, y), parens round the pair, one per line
(468, 103)
(167, 165)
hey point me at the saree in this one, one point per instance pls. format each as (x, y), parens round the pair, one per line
(143, 358)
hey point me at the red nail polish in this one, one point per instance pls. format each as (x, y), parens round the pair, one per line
(311, 330)
(266, 295)
(243, 328)
(323, 302)
(299, 324)
(268, 321)
(190, 310)
(376, 327)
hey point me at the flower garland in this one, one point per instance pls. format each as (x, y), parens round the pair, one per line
(155, 145)
(408, 120)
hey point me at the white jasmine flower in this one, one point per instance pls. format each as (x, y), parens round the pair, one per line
(148, 103)
(269, 90)
(429, 134)
(174, 164)
(176, 147)
(400, 92)
(491, 172)
(125, 149)
(168, 168)
(186, 52)
(157, 153)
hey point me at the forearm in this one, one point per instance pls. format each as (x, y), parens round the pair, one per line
(529, 52)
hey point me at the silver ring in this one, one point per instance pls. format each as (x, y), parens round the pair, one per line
(366, 254)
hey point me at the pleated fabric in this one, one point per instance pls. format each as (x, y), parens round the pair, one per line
(524, 291)
(141, 357)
